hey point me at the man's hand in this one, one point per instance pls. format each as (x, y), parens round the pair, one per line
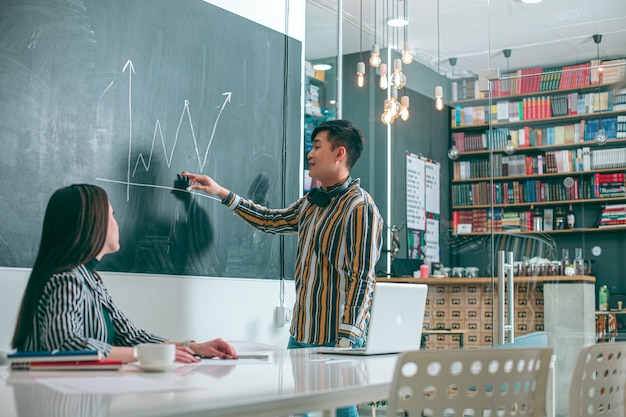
(206, 184)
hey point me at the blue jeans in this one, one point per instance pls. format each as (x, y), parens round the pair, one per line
(349, 411)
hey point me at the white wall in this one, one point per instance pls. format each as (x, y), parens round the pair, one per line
(176, 307)
(199, 308)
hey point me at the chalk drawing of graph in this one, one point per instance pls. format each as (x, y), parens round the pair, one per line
(158, 133)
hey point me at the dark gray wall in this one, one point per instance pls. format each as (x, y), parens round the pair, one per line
(426, 133)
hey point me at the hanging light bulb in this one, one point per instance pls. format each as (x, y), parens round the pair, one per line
(509, 146)
(375, 59)
(360, 74)
(600, 136)
(438, 89)
(439, 98)
(398, 79)
(386, 117)
(360, 66)
(453, 152)
(404, 108)
(383, 83)
(395, 103)
(597, 38)
(407, 56)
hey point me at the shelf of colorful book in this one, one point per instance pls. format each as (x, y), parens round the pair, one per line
(542, 121)
(550, 232)
(543, 203)
(543, 148)
(537, 176)
(581, 89)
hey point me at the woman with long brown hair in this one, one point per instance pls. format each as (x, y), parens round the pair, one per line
(66, 305)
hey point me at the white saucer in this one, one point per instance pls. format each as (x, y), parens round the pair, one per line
(154, 368)
(437, 276)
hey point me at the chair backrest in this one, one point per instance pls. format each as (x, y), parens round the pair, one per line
(495, 382)
(597, 387)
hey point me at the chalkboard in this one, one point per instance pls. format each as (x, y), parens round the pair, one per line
(126, 94)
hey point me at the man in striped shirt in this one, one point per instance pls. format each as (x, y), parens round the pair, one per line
(339, 240)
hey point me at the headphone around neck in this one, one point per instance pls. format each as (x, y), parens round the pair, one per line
(322, 198)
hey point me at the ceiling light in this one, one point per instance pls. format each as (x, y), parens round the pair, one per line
(398, 22)
(321, 67)
(531, 1)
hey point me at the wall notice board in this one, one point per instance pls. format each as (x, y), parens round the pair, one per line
(422, 207)
(126, 94)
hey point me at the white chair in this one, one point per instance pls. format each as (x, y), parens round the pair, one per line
(479, 383)
(597, 387)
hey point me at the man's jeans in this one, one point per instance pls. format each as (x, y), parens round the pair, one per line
(349, 411)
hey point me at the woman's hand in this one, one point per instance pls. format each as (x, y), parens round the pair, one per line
(217, 348)
(185, 355)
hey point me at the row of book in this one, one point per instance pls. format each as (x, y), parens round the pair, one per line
(581, 160)
(534, 80)
(612, 215)
(59, 360)
(536, 108)
(526, 136)
(501, 220)
(527, 191)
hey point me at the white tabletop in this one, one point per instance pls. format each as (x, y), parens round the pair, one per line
(289, 382)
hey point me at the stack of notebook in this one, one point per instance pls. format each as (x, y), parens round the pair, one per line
(61, 360)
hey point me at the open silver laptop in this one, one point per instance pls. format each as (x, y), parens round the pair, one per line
(396, 320)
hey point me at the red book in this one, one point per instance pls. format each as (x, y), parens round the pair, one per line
(97, 365)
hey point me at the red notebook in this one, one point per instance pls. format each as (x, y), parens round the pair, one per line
(97, 365)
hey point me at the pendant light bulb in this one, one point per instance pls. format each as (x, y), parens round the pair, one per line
(394, 104)
(404, 108)
(439, 98)
(509, 147)
(383, 83)
(453, 153)
(398, 79)
(600, 136)
(360, 74)
(386, 117)
(407, 56)
(375, 59)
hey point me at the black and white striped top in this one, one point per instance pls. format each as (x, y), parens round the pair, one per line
(70, 316)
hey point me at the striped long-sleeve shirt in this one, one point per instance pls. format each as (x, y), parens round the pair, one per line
(338, 248)
(71, 316)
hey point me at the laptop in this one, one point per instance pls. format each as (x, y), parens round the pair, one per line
(404, 267)
(396, 319)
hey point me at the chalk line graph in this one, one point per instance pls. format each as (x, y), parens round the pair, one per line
(158, 134)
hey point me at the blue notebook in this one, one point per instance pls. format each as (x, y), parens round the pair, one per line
(55, 356)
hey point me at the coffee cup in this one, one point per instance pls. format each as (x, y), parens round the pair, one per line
(155, 354)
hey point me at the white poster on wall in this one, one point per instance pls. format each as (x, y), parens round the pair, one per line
(415, 193)
(432, 181)
(431, 238)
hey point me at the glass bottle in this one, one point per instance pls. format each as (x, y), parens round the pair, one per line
(579, 263)
(566, 263)
(537, 219)
(571, 218)
(559, 219)
(603, 298)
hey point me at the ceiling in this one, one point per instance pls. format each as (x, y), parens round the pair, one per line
(550, 33)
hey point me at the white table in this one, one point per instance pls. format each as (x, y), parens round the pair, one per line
(293, 381)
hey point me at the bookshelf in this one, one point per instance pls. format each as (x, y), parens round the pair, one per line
(552, 120)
